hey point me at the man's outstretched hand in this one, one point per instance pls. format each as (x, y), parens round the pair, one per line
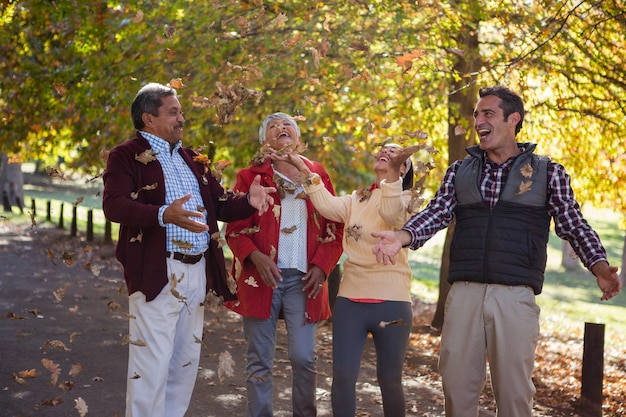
(259, 196)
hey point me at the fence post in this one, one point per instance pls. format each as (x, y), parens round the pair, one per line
(593, 370)
(33, 207)
(49, 211)
(61, 225)
(74, 228)
(90, 225)
(108, 232)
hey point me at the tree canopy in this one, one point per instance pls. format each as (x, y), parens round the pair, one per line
(355, 72)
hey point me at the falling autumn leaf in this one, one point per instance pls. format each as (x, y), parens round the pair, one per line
(78, 201)
(384, 324)
(525, 186)
(135, 195)
(54, 173)
(527, 171)
(354, 231)
(146, 156)
(176, 83)
(137, 238)
(217, 236)
(289, 230)
(196, 339)
(203, 159)
(459, 130)
(184, 245)
(251, 282)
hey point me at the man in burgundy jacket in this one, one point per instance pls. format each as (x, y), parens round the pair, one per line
(167, 204)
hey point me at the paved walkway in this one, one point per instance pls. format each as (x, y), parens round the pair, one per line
(63, 304)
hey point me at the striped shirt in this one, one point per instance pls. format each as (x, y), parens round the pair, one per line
(179, 181)
(561, 206)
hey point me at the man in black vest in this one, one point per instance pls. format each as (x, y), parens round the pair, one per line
(502, 197)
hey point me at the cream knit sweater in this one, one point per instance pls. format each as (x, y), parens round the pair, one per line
(385, 209)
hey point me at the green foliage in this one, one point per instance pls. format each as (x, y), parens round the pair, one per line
(356, 72)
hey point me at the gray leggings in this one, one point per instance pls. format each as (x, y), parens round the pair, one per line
(352, 321)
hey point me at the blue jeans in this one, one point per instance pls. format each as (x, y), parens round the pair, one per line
(261, 338)
(352, 322)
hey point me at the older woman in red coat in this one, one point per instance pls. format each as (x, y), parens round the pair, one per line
(281, 261)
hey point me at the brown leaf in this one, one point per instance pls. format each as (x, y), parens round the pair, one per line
(135, 195)
(527, 171)
(54, 173)
(76, 369)
(354, 232)
(184, 245)
(176, 83)
(31, 373)
(137, 238)
(53, 368)
(524, 187)
(59, 293)
(67, 258)
(289, 230)
(146, 156)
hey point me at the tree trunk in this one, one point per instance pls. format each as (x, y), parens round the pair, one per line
(569, 259)
(460, 134)
(444, 286)
(11, 183)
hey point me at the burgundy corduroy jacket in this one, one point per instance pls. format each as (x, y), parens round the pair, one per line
(144, 261)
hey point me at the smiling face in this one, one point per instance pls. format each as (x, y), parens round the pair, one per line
(495, 133)
(281, 132)
(168, 125)
(381, 159)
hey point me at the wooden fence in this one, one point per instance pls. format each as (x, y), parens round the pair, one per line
(86, 215)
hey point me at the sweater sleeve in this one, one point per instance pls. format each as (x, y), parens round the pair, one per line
(335, 208)
(394, 203)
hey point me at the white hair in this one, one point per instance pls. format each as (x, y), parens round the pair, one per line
(275, 116)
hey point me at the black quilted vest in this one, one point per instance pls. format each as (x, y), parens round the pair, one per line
(507, 244)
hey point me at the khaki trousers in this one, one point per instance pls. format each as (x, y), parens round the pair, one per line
(499, 323)
(163, 360)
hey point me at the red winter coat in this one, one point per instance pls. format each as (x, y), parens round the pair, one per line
(144, 262)
(257, 301)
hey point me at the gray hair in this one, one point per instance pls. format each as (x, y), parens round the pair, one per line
(148, 100)
(275, 116)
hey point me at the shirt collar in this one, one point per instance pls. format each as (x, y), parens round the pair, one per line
(158, 144)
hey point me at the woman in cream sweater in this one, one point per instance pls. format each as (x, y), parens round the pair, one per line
(373, 297)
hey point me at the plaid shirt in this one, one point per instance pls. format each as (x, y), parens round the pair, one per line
(562, 207)
(179, 181)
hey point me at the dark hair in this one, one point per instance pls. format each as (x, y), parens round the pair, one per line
(510, 102)
(407, 178)
(148, 100)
